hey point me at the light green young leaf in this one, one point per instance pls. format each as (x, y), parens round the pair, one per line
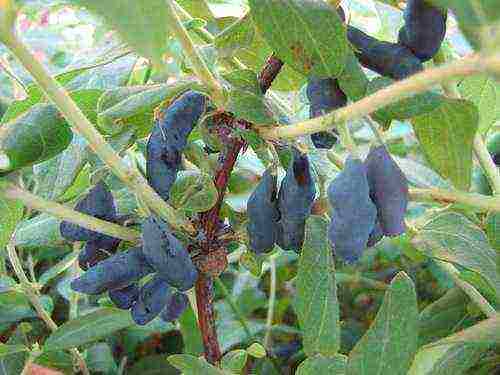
(389, 345)
(193, 191)
(88, 328)
(306, 34)
(319, 365)
(452, 237)
(316, 302)
(483, 92)
(140, 23)
(446, 136)
(235, 360)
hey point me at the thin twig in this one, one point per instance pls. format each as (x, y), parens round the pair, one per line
(271, 301)
(32, 295)
(32, 201)
(198, 64)
(399, 90)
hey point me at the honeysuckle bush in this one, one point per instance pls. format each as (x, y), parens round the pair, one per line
(77, 112)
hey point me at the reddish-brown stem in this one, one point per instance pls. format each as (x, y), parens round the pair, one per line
(269, 72)
(209, 221)
(206, 319)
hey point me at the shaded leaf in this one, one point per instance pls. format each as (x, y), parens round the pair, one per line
(58, 268)
(440, 318)
(316, 303)
(391, 341)
(446, 136)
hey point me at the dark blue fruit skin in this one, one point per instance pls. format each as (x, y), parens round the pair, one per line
(354, 214)
(167, 254)
(263, 214)
(152, 299)
(387, 59)
(324, 96)
(115, 272)
(173, 124)
(125, 298)
(295, 200)
(98, 203)
(424, 29)
(388, 190)
(174, 307)
(92, 254)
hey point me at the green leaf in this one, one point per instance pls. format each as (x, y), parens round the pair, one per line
(100, 359)
(6, 350)
(306, 34)
(256, 55)
(353, 80)
(37, 135)
(453, 359)
(235, 360)
(58, 268)
(483, 92)
(88, 328)
(245, 99)
(191, 335)
(193, 191)
(440, 318)
(493, 231)
(252, 262)
(446, 136)
(190, 365)
(141, 24)
(42, 230)
(319, 365)
(476, 18)
(391, 341)
(452, 237)
(236, 36)
(406, 108)
(485, 332)
(12, 213)
(55, 176)
(35, 95)
(316, 302)
(256, 350)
